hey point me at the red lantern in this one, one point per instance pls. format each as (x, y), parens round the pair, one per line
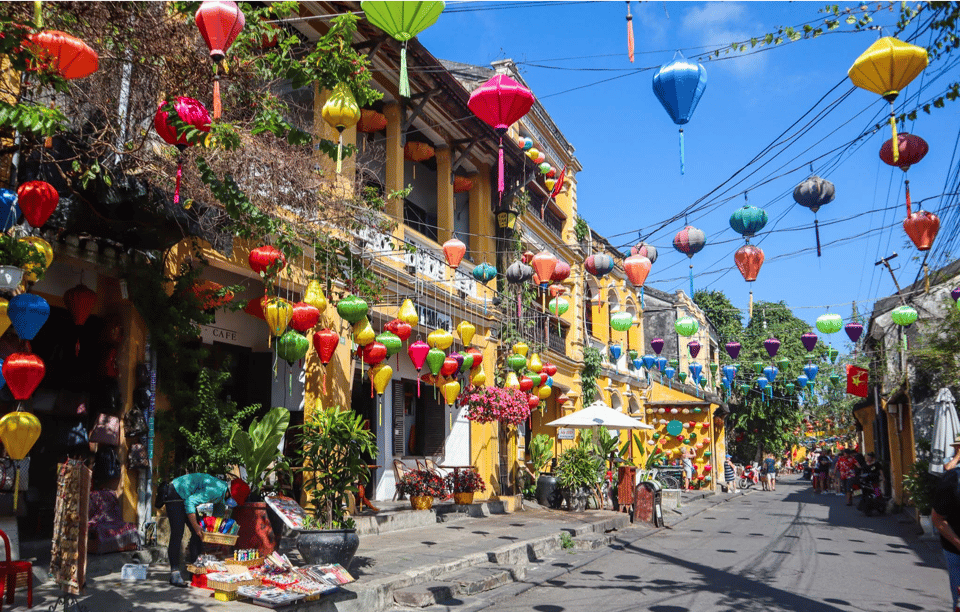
(557, 290)
(533, 401)
(477, 357)
(80, 302)
(527, 257)
(418, 355)
(254, 308)
(37, 200)
(191, 112)
(371, 121)
(749, 258)
(922, 227)
(23, 373)
(454, 250)
(325, 342)
(374, 353)
(219, 22)
(305, 316)
(501, 102)
(399, 328)
(544, 263)
(549, 369)
(266, 260)
(417, 151)
(461, 184)
(66, 55)
(637, 267)
(206, 291)
(449, 366)
(561, 272)
(562, 399)
(526, 383)
(911, 150)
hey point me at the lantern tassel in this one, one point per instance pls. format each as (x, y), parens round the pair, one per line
(16, 486)
(500, 169)
(217, 108)
(642, 303)
(909, 202)
(816, 228)
(751, 304)
(404, 79)
(380, 411)
(340, 152)
(682, 160)
(629, 33)
(895, 142)
(691, 281)
(176, 191)
(418, 383)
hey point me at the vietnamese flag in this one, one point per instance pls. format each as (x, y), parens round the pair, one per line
(857, 381)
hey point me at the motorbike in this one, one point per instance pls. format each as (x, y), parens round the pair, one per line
(871, 499)
(749, 477)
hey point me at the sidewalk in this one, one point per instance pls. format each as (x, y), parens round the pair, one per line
(488, 551)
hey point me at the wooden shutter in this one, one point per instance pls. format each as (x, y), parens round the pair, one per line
(398, 418)
(434, 424)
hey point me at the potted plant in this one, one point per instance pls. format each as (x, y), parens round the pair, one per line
(541, 454)
(464, 483)
(15, 256)
(259, 451)
(421, 486)
(335, 450)
(578, 472)
(919, 485)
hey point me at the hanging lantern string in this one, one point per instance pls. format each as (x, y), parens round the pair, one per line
(816, 229)
(906, 183)
(404, 79)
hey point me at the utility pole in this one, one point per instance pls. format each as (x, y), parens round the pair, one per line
(886, 262)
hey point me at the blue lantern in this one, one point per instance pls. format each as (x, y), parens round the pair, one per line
(811, 371)
(637, 363)
(28, 312)
(549, 382)
(2, 380)
(762, 383)
(484, 273)
(661, 363)
(726, 384)
(771, 373)
(615, 351)
(729, 372)
(9, 210)
(649, 361)
(679, 86)
(802, 381)
(669, 371)
(695, 369)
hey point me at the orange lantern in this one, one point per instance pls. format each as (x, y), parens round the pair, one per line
(637, 267)
(66, 55)
(371, 121)
(454, 250)
(749, 258)
(461, 184)
(544, 263)
(922, 227)
(417, 151)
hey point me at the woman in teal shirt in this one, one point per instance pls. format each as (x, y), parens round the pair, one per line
(183, 496)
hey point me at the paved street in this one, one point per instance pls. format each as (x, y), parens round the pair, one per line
(769, 551)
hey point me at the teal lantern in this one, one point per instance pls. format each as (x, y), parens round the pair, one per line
(686, 326)
(682, 376)
(621, 321)
(783, 364)
(901, 315)
(829, 323)
(790, 387)
(833, 353)
(484, 273)
(758, 367)
(748, 220)
(674, 428)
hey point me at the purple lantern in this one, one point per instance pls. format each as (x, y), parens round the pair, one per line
(772, 345)
(694, 348)
(854, 330)
(955, 294)
(657, 345)
(809, 340)
(733, 349)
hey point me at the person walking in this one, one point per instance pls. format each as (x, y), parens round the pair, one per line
(846, 470)
(183, 495)
(946, 520)
(730, 475)
(821, 472)
(769, 473)
(688, 456)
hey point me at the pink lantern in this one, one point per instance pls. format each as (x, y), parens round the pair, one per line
(501, 102)
(637, 267)
(418, 355)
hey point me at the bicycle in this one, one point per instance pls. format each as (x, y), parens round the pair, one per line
(669, 478)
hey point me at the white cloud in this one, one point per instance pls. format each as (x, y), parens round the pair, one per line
(721, 23)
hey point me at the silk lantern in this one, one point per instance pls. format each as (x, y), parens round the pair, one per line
(418, 356)
(462, 184)
(910, 150)
(561, 272)
(467, 364)
(67, 55)
(885, 68)
(37, 200)
(450, 391)
(809, 341)
(814, 193)
(23, 373)
(477, 357)
(392, 342)
(646, 250)
(544, 392)
(657, 345)
(440, 338)
(679, 85)
(191, 112)
(219, 22)
(380, 375)
(749, 259)
(340, 111)
(352, 309)
(922, 227)
(853, 331)
(363, 332)
(544, 263)
(689, 241)
(478, 378)
(550, 369)
(277, 312)
(28, 312)
(501, 102)
(254, 308)
(371, 121)
(305, 316)
(292, 347)
(399, 328)
(402, 21)
(621, 321)
(374, 353)
(33, 270)
(811, 370)
(4, 318)
(829, 323)
(516, 362)
(266, 260)
(408, 313)
(686, 326)
(772, 345)
(901, 315)
(749, 220)
(9, 209)
(466, 331)
(558, 306)
(484, 273)
(454, 250)
(770, 373)
(637, 267)
(19, 431)
(694, 347)
(599, 264)
(535, 364)
(526, 384)
(733, 349)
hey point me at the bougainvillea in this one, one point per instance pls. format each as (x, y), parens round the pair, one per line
(486, 404)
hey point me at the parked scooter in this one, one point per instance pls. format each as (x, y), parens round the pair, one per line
(749, 477)
(871, 499)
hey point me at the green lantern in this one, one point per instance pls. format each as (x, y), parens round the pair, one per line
(833, 353)
(674, 363)
(435, 359)
(682, 376)
(790, 387)
(758, 367)
(829, 323)
(517, 362)
(697, 411)
(686, 326)
(392, 341)
(544, 168)
(621, 321)
(783, 364)
(744, 388)
(352, 309)
(403, 21)
(834, 379)
(904, 315)
(713, 368)
(559, 306)
(292, 347)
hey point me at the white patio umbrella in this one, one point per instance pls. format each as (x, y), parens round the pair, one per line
(946, 427)
(598, 414)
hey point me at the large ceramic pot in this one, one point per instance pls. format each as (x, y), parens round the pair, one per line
(255, 528)
(577, 499)
(325, 546)
(421, 502)
(548, 495)
(10, 277)
(463, 499)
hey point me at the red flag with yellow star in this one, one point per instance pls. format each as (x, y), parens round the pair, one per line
(857, 381)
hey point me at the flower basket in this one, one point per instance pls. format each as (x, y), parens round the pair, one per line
(464, 483)
(421, 502)
(463, 499)
(487, 404)
(422, 483)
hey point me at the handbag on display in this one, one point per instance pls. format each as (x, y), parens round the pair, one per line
(134, 423)
(73, 437)
(106, 431)
(107, 464)
(8, 474)
(137, 456)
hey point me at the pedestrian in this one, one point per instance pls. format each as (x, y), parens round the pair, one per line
(821, 472)
(730, 475)
(688, 456)
(846, 470)
(946, 520)
(183, 495)
(769, 473)
(834, 477)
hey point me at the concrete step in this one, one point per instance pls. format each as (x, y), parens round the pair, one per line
(398, 518)
(484, 577)
(423, 595)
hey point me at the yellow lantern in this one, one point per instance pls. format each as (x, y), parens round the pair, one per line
(19, 431)
(533, 153)
(511, 382)
(544, 392)
(30, 270)
(277, 312)
(408, 314)
(4, 319)
(450, 391)
(478, 378)
(363, 332)
(440, 339)
(521, 348)
(341, 111)
(535, 365)
(466, 331)
(315, 297)
(885, 68)
(380, 375)
(550, 183)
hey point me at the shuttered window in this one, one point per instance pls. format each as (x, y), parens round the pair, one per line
(398, 418)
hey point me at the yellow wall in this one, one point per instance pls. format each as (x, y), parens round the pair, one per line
(700, 415)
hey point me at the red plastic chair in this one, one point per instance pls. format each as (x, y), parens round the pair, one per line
(9, 570)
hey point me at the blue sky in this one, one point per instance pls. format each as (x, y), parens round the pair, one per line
(629, 151)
